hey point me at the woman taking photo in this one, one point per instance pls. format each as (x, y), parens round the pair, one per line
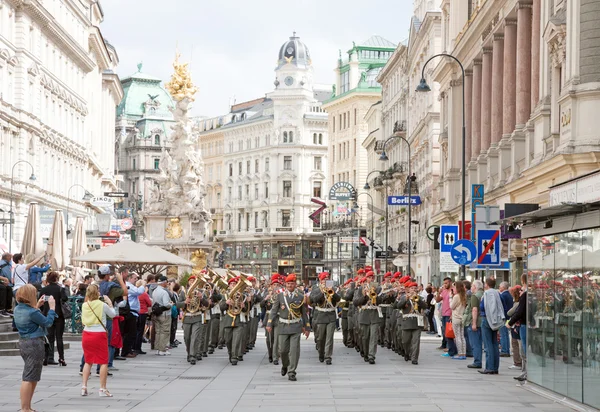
(95, 337)
(458, 305)
(55, 332)
(31, 324)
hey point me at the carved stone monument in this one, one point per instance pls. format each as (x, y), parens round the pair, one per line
(176, 218)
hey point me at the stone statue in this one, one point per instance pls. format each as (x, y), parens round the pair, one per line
(333, 90)
(363, 77)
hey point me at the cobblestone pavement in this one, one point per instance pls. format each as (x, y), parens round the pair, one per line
(151, 384)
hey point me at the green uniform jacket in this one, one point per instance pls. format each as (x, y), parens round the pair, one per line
(317, 299)
(367, 316)
(282, 308)
(405, 305)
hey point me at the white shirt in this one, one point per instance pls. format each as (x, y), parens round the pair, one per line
(20, 276)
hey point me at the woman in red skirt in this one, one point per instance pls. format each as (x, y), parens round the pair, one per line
(95, 338)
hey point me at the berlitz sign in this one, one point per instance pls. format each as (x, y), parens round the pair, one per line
(342, 191)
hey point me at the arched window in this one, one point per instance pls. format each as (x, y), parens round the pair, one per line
(320, 138)
(243, 116)
(291, 137)
(285, 137)
(314, 138)
(157, 139)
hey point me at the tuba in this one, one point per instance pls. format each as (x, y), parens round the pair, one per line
(192, 294)
(236, 295)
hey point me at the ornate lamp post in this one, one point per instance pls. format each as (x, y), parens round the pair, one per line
(424, 87)
(87, 196)
(11, 213)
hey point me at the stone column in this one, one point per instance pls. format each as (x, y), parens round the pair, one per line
(486, 100)
(476, 110)
(523, 108)
(510, 72)
(468, 112)
(535, 53)
(497, 88)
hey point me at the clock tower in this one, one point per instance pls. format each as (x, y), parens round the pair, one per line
(294, 66)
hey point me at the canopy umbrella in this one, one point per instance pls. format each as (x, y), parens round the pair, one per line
(142, 257)
(57, 242)
(32, 238)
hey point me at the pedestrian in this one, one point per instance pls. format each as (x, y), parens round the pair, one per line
(444, 296)
(291, 309)
(519, 319)
(492, 314)
(21, 273)
(31, 324)
(94, 340)
(458, 306)
(6, 286)
(514, 331)
(472, 319)
(430, 311)
(145, 305)
(162, 320)
(507, 304)
(56, 331)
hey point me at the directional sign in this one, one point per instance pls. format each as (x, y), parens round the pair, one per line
(463, 252)
(403, 200)
(116, 194)
(316, 215)
(448, 235)
(488, 247)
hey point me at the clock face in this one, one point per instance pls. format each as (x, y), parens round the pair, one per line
(289, 50)
(289, 80)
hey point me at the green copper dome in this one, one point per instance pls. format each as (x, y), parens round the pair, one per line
(144, 97)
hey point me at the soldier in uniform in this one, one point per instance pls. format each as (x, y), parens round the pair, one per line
(193, 322)
(368, 299)
(290, 308)
(386, 310)
(215, 320)
(232, 327)
(267, 304)
(324, 301)
(254, 312)
(400, 316)
(411, 305)
(346, 327)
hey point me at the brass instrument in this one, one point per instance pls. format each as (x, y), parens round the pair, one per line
(373, 295)
(415, 302)
(236, 295)
(194, 305)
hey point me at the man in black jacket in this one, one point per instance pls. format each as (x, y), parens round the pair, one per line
(519, 318)
(55, 332)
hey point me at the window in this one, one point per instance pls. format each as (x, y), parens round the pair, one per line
(291, 137)
(229, 194)
(345, 86)
(156, 164)
(248, 167)
(267, 140)
(240, 168)
(266, 190)
(333, 155)
(157, 139)
(230, 170)
(320, 138)
(255, 191)
(267, 164)
(287, 162)
(240, 146)
(239, 221)
(256, 142)
(255, 219)
(345, 120)
(355, 115)
(333, 123)
(256, 166)
(287, 188)
(240, 192)
(133, 165)
(248, 192)
(317, 189)
(247, 222)
(266, 219)
(286, 222)
(318, 162)
(133, 186)
(314, 138)
(285, 137)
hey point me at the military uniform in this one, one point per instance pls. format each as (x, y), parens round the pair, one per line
(193, 325)
(412, 325)
(370, 317)
(215, 321)
(233, 328)
(348, 309)
(326, 312)
(290, 308)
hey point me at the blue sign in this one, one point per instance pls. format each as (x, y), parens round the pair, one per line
(488, 247)
(463, 252)
(477, 192)
(403, 200)
(448, 236)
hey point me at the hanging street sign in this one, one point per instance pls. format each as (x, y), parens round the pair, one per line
(316, 215)
(448, 236)
(477, 192)
(116, 194)
(342, 191)
(403, 200)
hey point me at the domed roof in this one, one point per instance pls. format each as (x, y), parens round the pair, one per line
(294, 52)
(144, 96)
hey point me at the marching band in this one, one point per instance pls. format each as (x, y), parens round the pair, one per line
(225, 311)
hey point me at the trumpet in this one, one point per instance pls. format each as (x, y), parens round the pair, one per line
(373, 295)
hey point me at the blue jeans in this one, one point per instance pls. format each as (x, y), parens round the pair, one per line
(469, 349)
(523, 336)
(504, 340)
(475, 341)
(448, 343)
(490, 343)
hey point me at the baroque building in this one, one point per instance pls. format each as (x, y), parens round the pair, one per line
(58, 93)
(142, 129)
(356, 89)
(274, 162)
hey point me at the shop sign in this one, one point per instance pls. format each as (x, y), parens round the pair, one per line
(583, 190)
(342, 191)
(285, 263)
(102, 201)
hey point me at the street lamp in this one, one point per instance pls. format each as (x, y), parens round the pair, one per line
(410, 181)
(11, 213)
(372, 223)
(424, 87)
(368, 187)
(87, 196)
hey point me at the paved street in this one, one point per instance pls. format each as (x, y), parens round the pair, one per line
(152, 384)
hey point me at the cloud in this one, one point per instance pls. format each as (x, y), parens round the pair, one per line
(232, 46)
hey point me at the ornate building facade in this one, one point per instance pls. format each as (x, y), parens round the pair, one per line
(58, 94)
(273, 163)
(356, 90)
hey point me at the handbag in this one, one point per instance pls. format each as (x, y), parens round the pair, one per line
(449, 331)
(66, 310)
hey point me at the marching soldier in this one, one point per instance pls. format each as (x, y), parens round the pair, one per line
(195, 303)
(290, 308)
(368, 300)
(267, 304)
(324, 301)
(386, 309)
(411, 305)
(347, 324)
(254, 312)
(215, 320)
(400, 319)
(233, 332)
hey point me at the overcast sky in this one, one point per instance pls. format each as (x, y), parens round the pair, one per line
(232, 45)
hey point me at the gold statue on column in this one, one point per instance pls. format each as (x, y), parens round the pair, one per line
(180, 86)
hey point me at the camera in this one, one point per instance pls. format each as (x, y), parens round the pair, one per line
(46, 297)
